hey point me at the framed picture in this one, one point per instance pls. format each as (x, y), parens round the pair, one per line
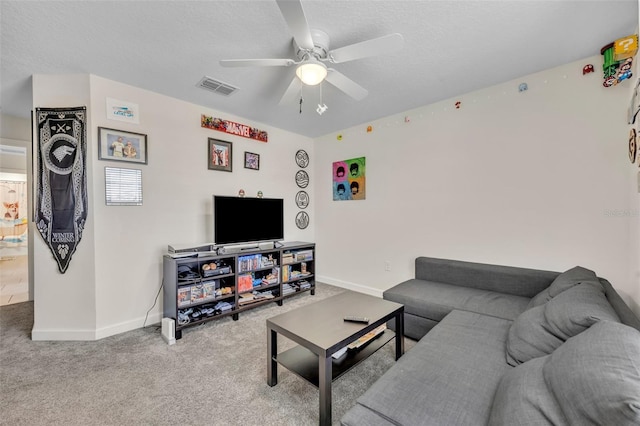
(251, 161)
(220, 155)
(118, 145)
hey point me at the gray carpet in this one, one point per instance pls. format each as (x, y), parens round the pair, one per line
(214, 375)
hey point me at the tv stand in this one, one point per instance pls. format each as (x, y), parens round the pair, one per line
(215, 285)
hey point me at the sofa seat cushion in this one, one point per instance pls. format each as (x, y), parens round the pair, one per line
(361, 416)
(540, 330)
(592, 379)
(434, 300)
(449, 376)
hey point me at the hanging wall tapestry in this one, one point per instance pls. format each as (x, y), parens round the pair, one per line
(61, 204)
(349, 179)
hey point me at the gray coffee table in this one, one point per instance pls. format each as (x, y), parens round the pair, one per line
(320, 331)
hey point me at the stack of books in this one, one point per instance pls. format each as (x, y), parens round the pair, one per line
(288, 289)
(362, 341)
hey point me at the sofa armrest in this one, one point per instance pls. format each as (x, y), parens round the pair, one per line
(625, 313)
(503, 279)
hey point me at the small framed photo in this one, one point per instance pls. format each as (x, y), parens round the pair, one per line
(118, 145)
(220, 155)
(251, 161)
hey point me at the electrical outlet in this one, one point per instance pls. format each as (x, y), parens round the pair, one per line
(387, 265)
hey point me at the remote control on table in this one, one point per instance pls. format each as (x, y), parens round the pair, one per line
(357, 319)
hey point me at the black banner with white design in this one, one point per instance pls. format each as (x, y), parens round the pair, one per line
(61, 205)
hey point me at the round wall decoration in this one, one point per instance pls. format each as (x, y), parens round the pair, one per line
(302, 199)
(302, 220)
(302, 158)
(302, 179)
(633, 146)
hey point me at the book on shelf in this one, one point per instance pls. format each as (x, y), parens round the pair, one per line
(245, 282)
(184, 296)
(376, 332)
(304, 255)
(209, 290)
(287, 258)
(340, 353)
(246, 298)
(197, 293)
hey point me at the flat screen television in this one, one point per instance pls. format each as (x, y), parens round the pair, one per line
(246, 220)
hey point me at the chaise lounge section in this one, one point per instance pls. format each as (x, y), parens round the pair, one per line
(498, 345)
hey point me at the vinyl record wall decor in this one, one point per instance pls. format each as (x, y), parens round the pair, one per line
(302, 197)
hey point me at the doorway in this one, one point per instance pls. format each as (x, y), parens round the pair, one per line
(14, 224)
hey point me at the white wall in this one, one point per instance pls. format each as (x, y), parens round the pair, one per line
(524, 179)
(15, 128)
(128, 243)
(64, 304)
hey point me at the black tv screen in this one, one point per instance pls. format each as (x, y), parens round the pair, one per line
(244, 220)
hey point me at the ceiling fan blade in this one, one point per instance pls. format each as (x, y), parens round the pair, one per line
(347, 85)
(256, 62)
(373, 47)
(292, 92)
(294, 16)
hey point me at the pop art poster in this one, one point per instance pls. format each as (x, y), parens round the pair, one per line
(349, 179)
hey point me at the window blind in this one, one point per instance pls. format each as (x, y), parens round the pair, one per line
(123, 187)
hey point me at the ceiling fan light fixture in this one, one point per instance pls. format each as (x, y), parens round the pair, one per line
(311, 72)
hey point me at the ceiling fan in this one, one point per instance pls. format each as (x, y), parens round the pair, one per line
(311, 47)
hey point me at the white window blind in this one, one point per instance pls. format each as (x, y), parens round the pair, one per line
(123, 187)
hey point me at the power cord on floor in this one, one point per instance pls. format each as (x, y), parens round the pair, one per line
(154, 304)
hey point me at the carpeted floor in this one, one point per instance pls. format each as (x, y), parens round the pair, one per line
(214, 375)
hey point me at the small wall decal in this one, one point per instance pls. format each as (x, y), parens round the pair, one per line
(123, 111)
(302, 179)
(633, 147)
(407, 119)
(369, 129)
(339, 137)
(615, 68)
(233, 128)
(523, 87)
(458, 104)
(302, 220)
(587, 69)
(302, 199)
(241, 193)
(302, 158)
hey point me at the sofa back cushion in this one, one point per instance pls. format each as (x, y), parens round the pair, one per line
(592, 379)
(542, 329)
(595, 376)
(503, 279)
(563, 282)
(523, 398)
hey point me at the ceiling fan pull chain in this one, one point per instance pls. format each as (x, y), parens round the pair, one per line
(300, 104)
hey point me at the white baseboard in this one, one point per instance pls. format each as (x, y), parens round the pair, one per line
(97, 334)
(350, 286)
(156, 318)
(112, 330)
(62, 335)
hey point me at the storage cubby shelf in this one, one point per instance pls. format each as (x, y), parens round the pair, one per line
(198, 286)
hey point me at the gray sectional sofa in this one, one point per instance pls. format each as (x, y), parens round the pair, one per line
(502, 345)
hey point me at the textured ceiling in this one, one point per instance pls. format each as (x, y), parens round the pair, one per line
(451, 48)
